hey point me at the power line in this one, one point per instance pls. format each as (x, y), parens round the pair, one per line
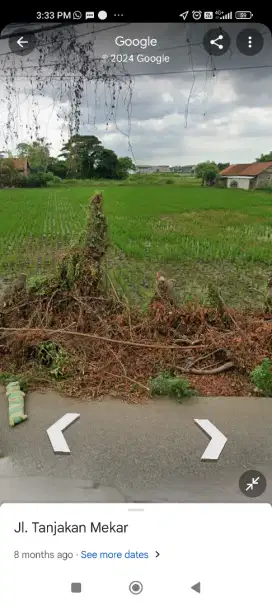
(58, 26)
(23, 28)
(121, 74)
(166, 48)
(152, 74)
(206, 70)
(118, 52)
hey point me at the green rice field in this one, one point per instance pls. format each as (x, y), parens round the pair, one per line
(196, 235)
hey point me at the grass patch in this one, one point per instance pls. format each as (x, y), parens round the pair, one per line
(194, 233)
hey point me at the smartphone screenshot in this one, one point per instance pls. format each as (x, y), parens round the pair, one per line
(135, 305)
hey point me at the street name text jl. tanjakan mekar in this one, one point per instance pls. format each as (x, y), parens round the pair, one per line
(56, 529)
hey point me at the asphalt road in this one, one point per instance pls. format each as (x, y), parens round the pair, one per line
(143, 452)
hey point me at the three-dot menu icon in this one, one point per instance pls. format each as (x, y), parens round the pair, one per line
(250, 42)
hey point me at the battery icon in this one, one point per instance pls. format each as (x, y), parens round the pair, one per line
(243, 14)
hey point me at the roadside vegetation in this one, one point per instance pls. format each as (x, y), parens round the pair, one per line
(76, 328)
(195, 234)
(166, 276)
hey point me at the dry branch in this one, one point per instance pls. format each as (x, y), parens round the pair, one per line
(185, 340)
(220, 369)
(205, 356)
(132, 380)
(96, 337)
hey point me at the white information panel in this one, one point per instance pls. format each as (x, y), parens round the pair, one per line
(135, 553)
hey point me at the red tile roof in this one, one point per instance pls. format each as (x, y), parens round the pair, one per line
(234, 169)
(257, 168)
(246, 169)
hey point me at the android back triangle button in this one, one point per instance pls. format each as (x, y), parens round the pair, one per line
(197, 587)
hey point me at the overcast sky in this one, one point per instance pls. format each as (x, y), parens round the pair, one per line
(191, 109)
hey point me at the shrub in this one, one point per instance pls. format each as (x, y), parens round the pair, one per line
(166, 384)
(35, 180)
(47, 175)
(169, 181)
(11, 181)
(221, 182)
(266, 189)
(54, 180)
(262, 377)
(72, 182)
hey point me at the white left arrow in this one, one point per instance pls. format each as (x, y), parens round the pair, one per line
(217, 442)
(21, 42)
(55, 431)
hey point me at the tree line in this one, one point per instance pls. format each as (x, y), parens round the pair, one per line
(82, 157)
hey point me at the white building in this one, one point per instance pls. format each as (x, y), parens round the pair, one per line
(248, 176)
(152, 169)
(187, 170)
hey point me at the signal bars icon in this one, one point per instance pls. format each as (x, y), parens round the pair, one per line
(226, 16)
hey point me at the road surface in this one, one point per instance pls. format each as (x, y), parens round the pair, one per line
(143, 452)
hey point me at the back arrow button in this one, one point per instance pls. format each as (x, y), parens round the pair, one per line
(197, 588)
(22, 42)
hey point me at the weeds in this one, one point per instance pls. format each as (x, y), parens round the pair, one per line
(262, 377)
(166, 384)
(52, 356)
(38, 283)
(6, 377)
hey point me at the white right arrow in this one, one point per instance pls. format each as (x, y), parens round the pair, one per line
(55, 435)
(217, 443)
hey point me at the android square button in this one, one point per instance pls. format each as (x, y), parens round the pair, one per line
(76, 588)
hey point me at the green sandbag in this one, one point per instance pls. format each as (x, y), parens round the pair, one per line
(16, 403)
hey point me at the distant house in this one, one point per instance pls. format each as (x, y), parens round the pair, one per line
(152, 169)
(248, 176)
(21, 164)
(188, 170)
(11, 168)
